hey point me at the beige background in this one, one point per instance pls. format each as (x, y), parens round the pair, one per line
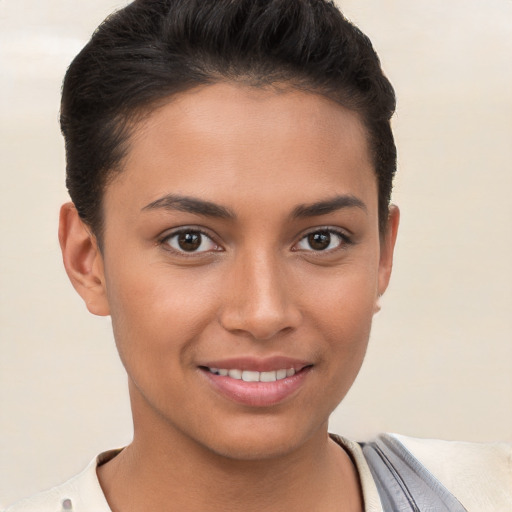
(441, 349)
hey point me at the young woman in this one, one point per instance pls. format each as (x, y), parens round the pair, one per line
(230, 166)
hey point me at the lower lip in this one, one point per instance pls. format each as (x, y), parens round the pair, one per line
(257, 394)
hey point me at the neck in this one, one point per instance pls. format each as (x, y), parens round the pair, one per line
(165, 469)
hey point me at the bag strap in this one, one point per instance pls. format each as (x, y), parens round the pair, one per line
(404, 484)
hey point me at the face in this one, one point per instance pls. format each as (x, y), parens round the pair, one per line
(241, 266)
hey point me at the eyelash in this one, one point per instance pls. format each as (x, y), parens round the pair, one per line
(344, 240)
(164, 241)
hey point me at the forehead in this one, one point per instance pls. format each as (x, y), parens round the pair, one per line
(233, 141)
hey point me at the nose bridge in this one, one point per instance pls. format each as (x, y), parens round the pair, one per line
(259, 300)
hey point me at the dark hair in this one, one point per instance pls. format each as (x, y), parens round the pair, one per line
(152, 49)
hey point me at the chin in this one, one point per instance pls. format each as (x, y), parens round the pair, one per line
(262, 439)
(254, 449)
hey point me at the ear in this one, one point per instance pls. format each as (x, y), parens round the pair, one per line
(387, 247)
(83, 260)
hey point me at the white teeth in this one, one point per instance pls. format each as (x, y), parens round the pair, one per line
(268, 376)
(252, 376)
(248, 376)
(235, 374)
(281, 374)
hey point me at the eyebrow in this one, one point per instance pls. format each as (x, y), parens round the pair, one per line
(330, 205)
(190, 205)
(209, 209)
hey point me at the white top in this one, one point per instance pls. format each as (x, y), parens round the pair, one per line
(478, 475)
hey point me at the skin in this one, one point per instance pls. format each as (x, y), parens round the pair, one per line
(255, 288)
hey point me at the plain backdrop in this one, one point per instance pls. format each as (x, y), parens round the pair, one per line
(441, 349)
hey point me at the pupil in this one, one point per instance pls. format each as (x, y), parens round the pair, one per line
(319, 241)
(189, 241)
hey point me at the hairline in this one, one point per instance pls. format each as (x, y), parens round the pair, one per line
(133, 118)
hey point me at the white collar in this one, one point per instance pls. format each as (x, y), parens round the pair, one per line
(85, 494)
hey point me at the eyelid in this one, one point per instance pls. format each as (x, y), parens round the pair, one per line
(346, 239)
(167, 235)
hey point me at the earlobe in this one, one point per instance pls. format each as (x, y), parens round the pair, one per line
(83, 260)
(386, 252)
(377, 306)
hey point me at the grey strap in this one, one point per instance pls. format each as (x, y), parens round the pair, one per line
(404, 484)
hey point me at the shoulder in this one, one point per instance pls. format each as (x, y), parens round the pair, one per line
(478, 474)
(81, 493)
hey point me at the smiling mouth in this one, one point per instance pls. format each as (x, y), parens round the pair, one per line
(253, 376)
(264, 384)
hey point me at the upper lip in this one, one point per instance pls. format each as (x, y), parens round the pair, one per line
(257, 364)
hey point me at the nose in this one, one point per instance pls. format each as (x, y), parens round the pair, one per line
(259, 300)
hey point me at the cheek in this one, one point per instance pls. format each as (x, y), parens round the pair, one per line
(344, 317)
(157, 313)
(344, 300)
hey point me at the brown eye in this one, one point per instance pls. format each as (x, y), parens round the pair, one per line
(320, 240)
(323, 240)
(191, 241)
